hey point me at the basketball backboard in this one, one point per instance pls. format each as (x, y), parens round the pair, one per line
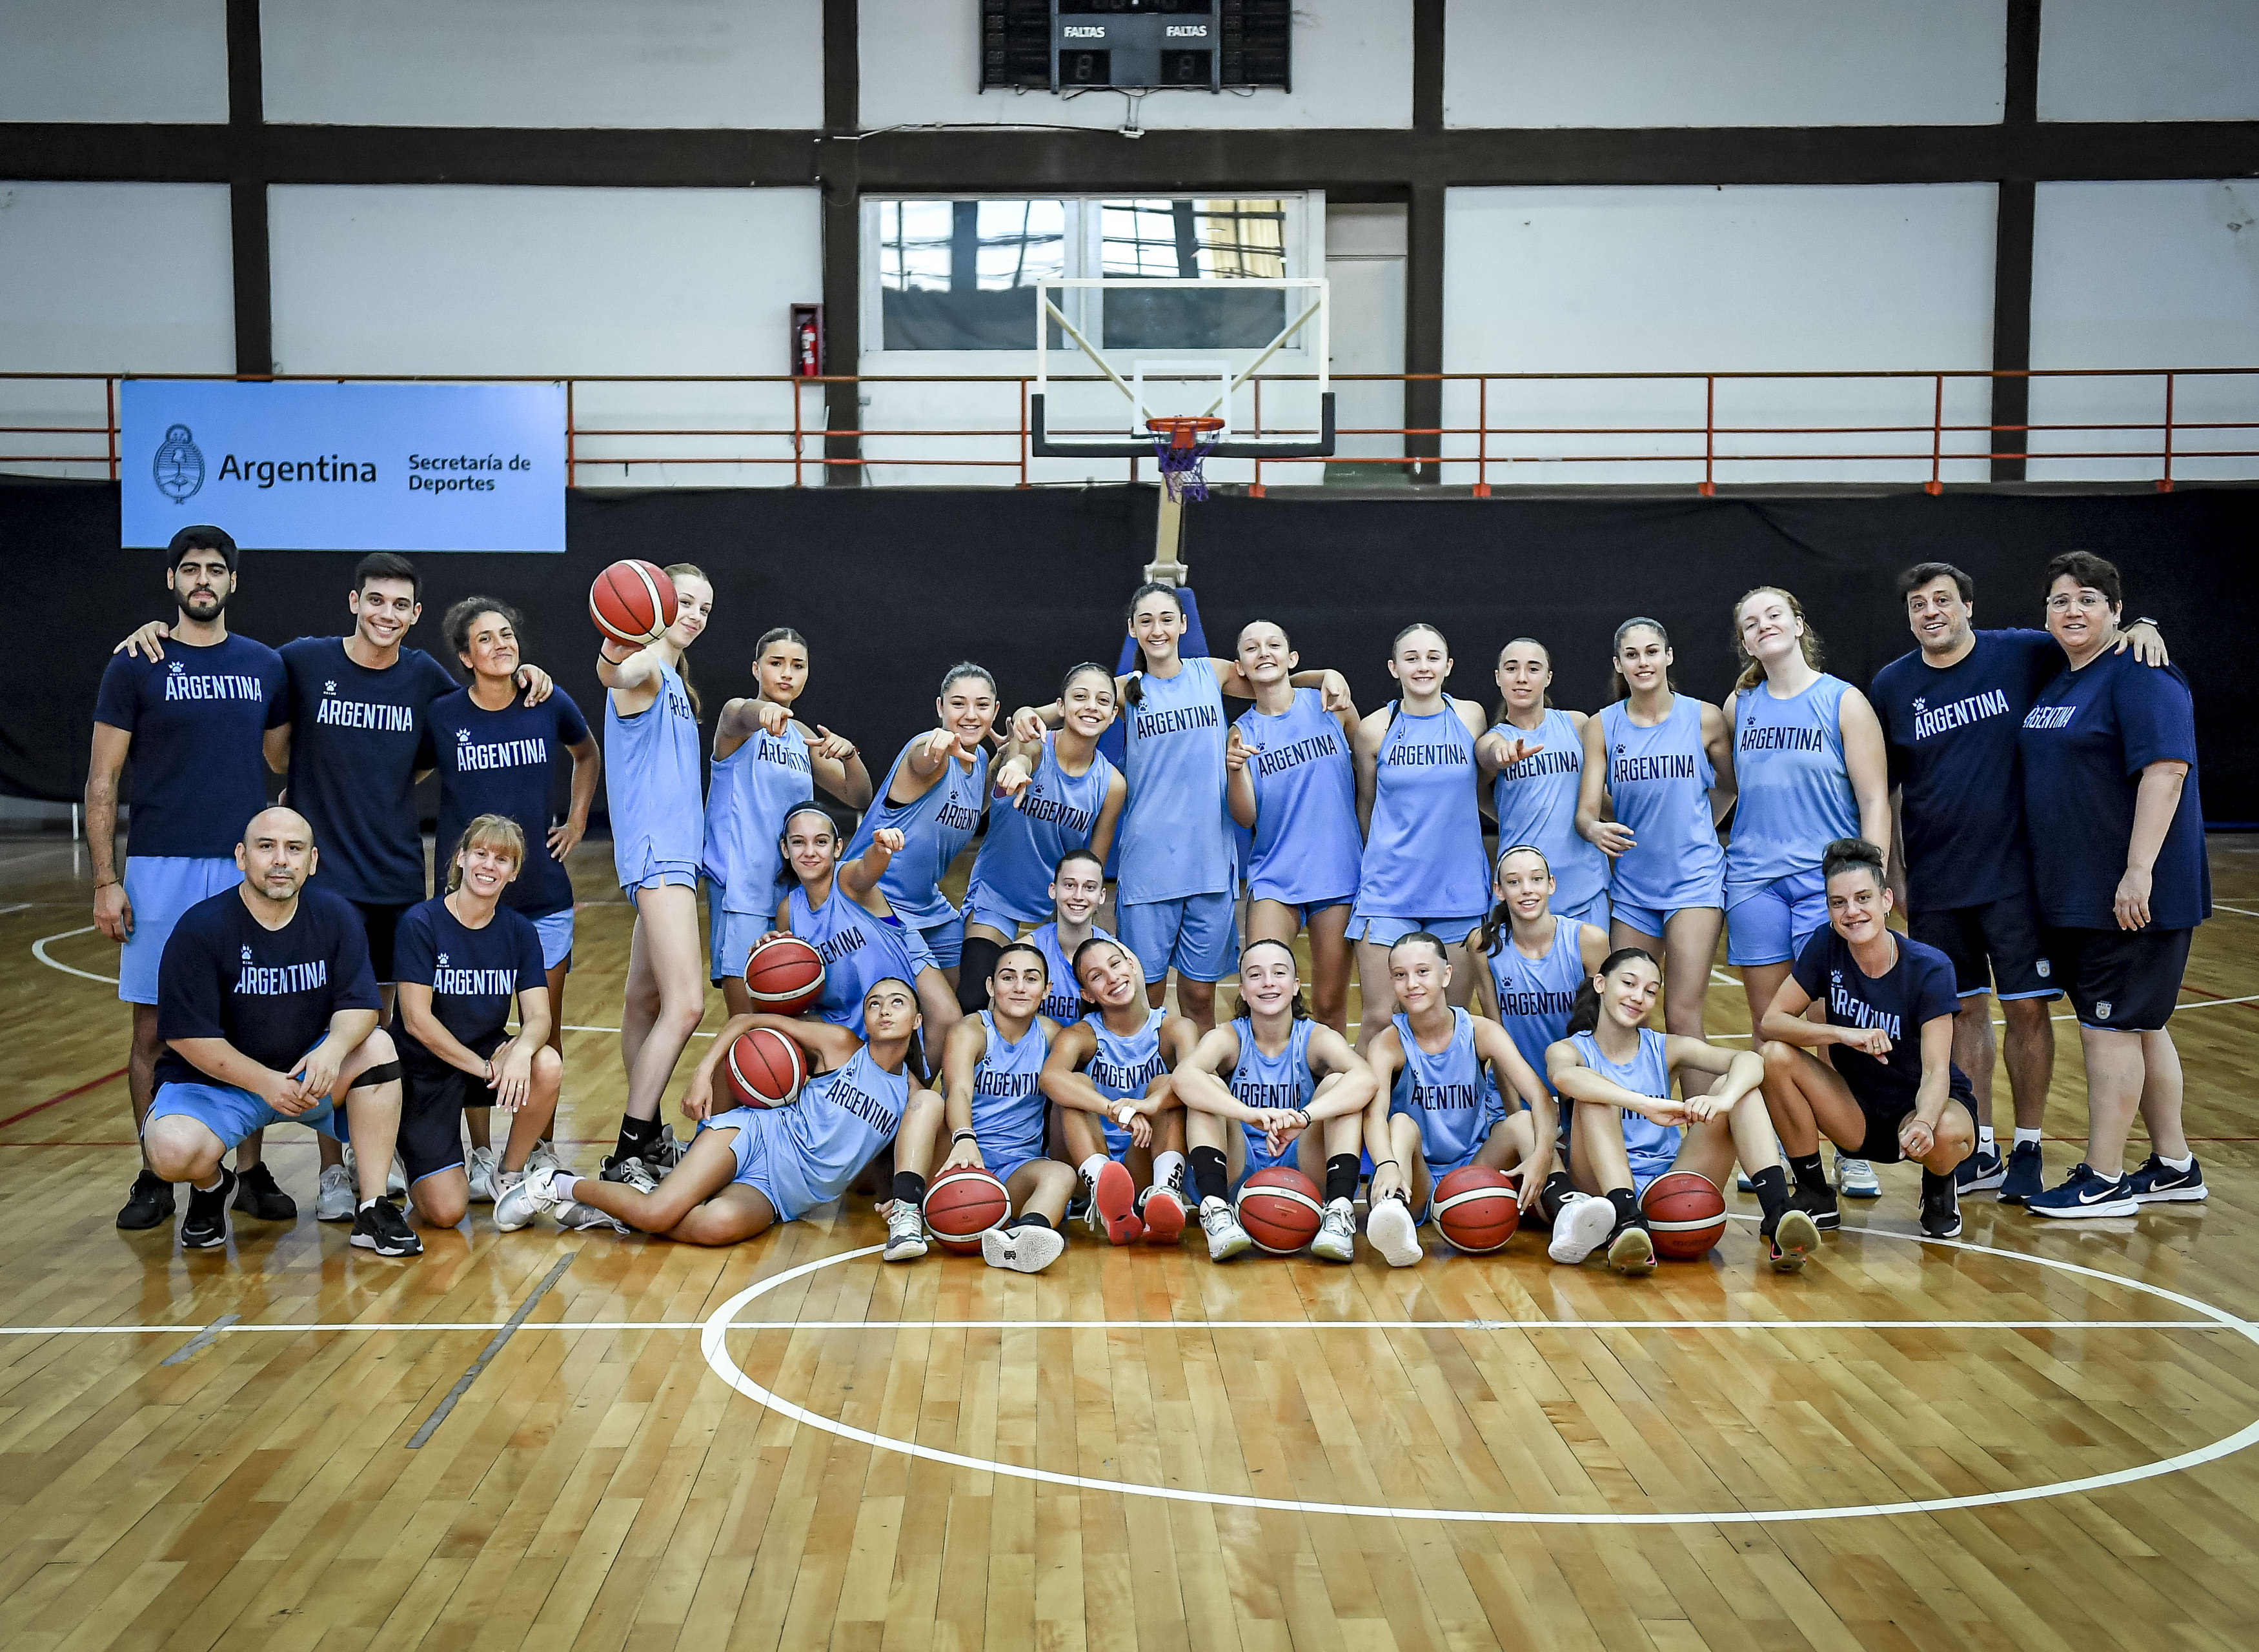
(1112, 354)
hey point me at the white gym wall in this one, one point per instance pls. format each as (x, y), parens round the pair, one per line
(107, 278)
(2144, 275)
(501, 280)
(2159, 60)
(731, 63)
(1724, 62)
(113, 61)
(1658, 280)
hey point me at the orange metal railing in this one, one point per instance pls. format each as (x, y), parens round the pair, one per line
(767, 424)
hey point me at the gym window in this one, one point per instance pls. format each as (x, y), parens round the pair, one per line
(961, 275)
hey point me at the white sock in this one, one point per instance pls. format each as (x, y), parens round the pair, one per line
(218, 1180)
(1985, 1138)
(564, 1185)
(2026, 1138)
(1169, 1170)
(2180, 1164)
(1091, 1166)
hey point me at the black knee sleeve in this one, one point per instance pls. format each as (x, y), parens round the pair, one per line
(974, 966)
(382, 1072)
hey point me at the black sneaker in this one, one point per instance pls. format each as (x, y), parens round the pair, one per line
(205, 1226)
(2025, 1177)
(1820, 1204)
(1941, 1212)
(257, 1195)
(149, 1203)
(380, 1226)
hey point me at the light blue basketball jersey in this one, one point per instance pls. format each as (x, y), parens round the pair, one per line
(1534, 995)
(1173, 836)
(1055, 812)
(934, 827)
(1536, 801)
(1283, 1080)
(1009, 1110)
(841, 1121)
(1795, 794)
(1650, 1147)
(858, 948)
(1423, 857)
(753, 788)
(653, 784)
(1121, 1068)
(1659, 782)
(1306, 845)
(1063, 997)
(1446, 1094)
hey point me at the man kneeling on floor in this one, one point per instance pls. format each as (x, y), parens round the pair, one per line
(267, 1008)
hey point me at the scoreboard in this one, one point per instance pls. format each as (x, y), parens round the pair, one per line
(1065, 46)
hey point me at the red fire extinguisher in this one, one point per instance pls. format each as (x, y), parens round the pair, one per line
(807, 341)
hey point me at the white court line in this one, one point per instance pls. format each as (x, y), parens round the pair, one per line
(1156, 1325)
(21, 906)
(2201, 1003)
(2238, 911)
(711, 1341)
(39, 951)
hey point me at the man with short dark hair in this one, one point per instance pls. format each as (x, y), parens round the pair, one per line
(1950, 711)
(354, 741)
(191, 726)
(269, 1014)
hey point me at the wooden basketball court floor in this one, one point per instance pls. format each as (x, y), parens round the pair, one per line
(2030, 1437)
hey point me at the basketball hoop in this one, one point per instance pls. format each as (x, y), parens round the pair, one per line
(1180, 443)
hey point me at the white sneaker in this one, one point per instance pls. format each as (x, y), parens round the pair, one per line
(1029, 1250)
(1855, 1179)
(521, 1196)
(906, 1232)
(544, 1156)
(1336, 1240)
(395, 1179)
(571, 1213)
(335, 1202)
(482, 1173)
(1581, 1226)
(1391, 1229)
(1226, 1238)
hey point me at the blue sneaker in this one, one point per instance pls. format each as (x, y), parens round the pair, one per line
(2159, 1183)
(2086, 1194)
(2022, 1183)
(1979, 1172)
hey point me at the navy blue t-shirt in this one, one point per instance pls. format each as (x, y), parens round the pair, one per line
(505, 763)
(1951, 735)
(2086, 742)
(197, 717)
(269, 993)
(475, 975)
(357, 741)
(1917, 988)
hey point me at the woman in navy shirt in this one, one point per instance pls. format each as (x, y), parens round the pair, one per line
(1891, 1001)
(2117, 835)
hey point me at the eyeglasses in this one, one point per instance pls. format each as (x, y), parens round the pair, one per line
(2089, 601)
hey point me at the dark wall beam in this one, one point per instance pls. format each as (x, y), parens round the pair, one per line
(247, 192)
(1423, 248)
(2012, 246)
(1371, 163)
(837, 167)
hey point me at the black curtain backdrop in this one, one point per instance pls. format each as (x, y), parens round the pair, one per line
(891, 585)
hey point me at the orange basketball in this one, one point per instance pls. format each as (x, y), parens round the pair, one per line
(1279, 1209)
(1479, 1208)
(632, 603)
(1686, 1213)
(766, 1069)
(962, 1205)
(784, 975)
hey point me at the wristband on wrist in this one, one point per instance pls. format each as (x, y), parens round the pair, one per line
(955, 1137)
